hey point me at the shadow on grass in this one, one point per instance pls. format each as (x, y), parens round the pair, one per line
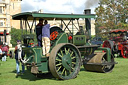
(82, 69)
(31, 77)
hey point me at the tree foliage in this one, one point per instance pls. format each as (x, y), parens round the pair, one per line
(16, 34)
(112, 14)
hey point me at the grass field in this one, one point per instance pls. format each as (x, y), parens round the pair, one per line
(119, 76)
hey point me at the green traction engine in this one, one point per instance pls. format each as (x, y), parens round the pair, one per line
(68, 51)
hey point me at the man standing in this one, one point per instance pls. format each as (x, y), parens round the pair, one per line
(46, 38)
(5, 51)
(39, 32)
(18, 57)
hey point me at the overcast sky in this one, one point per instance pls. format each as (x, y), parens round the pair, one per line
(59, 6)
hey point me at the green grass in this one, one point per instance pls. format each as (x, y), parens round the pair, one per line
(119, 76)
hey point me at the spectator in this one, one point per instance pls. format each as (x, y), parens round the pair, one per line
(39, 32)
(4, 51)
(46, 38)
(0, 53)
(18, 57)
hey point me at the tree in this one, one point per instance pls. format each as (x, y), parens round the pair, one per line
(112, 14)
(17, 34)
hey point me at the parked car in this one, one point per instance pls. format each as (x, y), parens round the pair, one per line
(96, 41)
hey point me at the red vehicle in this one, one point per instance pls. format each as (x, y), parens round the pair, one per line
(118, 42)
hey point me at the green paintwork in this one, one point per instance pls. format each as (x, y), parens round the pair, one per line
(67, 61)
(29, 54)
(35, 56)
(62, 38)
(86, 51)
(50, 16)
(108, 51)
(79, 39)
(44, 65)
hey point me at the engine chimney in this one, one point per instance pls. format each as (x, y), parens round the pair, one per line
(88, 22)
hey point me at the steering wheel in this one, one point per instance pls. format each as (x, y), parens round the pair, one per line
(53, 35)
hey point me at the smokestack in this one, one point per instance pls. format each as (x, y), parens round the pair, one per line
(87, 11)
(88, 22)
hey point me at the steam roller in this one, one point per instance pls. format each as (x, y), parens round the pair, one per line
(68, 50)
(99, 61)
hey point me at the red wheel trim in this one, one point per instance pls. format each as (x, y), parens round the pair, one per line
(53, 35)
(124, 52)
(106, 44)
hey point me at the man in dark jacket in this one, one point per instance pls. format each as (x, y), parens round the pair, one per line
(39, 32)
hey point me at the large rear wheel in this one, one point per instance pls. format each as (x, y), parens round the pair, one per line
(64, 61)
(109, 44)
(124, 51)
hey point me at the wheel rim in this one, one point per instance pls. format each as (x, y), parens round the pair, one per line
(107, 44)
(124, 52)
(107, 68)
(64, 62)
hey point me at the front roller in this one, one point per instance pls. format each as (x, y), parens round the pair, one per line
(99, 63)
(64, 61)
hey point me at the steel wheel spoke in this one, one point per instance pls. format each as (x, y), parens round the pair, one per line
(65, 50)
(59, 55)
(59, 64)
(72, 68)
(68, 50)
(73, 63)
(61, 52)
(63, 71)
(71, 54)
(73, 57)
(59, 68)
(58, 60)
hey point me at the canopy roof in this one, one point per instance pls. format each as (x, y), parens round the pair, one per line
(119, 31)
(50, 16)
(116, 31)
(1, 33)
